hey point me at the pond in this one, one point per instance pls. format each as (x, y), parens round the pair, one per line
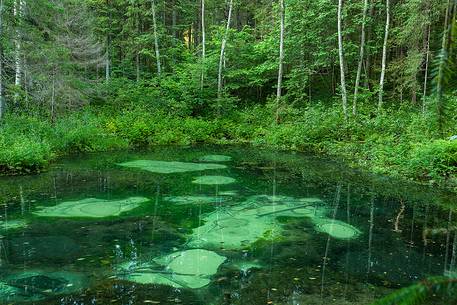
(217, 225)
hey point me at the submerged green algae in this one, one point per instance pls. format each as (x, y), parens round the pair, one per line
(183, 269)
(182, 200)
(337, 229)
(213, 180)
(92, 208)
(239, 226)
(215, 158)
(169, 167)
(12, 224)
(35, 285)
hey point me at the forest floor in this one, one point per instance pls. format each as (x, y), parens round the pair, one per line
(399, 143)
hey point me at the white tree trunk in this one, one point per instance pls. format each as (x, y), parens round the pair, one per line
(384, 56)
(107, 60)
(341, 56)
(281, 58)
(361, 58)
(156, 38)
(53, 96)
(18, 13)
(222, 55)
(203, 44)
(2, 102)
(427, 61)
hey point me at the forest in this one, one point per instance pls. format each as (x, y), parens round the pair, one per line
(370, 83)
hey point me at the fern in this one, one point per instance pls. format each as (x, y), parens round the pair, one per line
(418, 293)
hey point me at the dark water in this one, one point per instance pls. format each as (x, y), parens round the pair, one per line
(402, 232)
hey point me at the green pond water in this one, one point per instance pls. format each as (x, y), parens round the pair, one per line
(217, 225)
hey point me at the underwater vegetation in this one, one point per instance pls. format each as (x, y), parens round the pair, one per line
(92, 208)
(164, 167)
(33, 285)
(215, 158)
(184, 269)
(181, 234)
(12, 224)
(213, 180)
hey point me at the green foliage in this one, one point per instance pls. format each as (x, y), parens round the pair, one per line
(434, 160)
(83, 133)
(23, 154)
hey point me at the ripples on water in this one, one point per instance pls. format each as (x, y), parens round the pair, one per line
(260, 227)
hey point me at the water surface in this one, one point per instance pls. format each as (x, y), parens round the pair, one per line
(260, 227)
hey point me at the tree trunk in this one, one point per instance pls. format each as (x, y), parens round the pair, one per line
(427, 60)
(156, 39)
(203, 44)
(108, 46)
(2, 102)
(222, 55)
(107, 61)
(361, 58)
(384, 56)
(341, 57)
(173, 20)
(281, 58)
(18, 12)
(368, 55)
(137, 46)
(53, 96)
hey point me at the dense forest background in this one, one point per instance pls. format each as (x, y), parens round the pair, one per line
(371, 81)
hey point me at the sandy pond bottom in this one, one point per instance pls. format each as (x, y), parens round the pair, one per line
(209, 225)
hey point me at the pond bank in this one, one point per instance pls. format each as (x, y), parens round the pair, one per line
(401, 146)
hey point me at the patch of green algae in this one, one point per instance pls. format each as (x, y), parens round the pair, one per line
(239, 226)
(92, 208)
(170, 167)
(182, 200)
(215, 158)
(12, 224)
(337, 229)
(189, 269)
(213, 180)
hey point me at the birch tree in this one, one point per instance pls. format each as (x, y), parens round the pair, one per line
(384, 56)
(361, 56)
(427, 61)
(222, 55)
(341, 56)
(156, 38)
(2, 103)
(281, 57)
(108, 46)
(203, 43)
(18, 13)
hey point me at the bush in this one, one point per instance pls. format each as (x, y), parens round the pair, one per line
(434, 160)
(21, 153)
